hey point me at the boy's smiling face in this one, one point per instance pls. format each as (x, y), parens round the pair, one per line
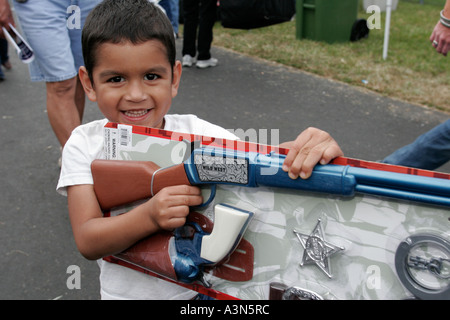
(133, 83)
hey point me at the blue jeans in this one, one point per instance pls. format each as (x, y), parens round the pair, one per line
(429, 151)
(166, 5)
(175, 8)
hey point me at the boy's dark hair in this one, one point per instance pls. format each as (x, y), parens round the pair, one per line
(114, 21)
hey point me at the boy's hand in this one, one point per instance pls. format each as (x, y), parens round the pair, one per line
(170, 206)
(311, 147)
(97, 236)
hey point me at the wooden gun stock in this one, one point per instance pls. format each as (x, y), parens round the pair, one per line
(118, 182)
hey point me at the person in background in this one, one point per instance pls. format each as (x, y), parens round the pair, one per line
(166, 5)
(4, 58)
(429, 151)
(53, 30)
(432, 149)
(199, 18)
(440, 37)
(6, 18)
(175, 9)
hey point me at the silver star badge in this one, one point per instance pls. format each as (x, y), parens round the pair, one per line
(317, 250)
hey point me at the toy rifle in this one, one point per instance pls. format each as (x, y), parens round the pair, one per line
(118, 182)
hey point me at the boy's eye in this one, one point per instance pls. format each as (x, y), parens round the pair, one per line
(151, 76)
(116, 79)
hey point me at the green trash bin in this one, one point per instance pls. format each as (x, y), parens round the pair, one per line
(326, 20)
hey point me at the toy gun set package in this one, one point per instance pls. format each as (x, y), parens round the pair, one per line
(262, 235)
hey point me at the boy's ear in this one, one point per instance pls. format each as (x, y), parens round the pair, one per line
(88, 86)
(177, 70)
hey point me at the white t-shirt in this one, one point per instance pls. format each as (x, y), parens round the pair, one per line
(84, 146)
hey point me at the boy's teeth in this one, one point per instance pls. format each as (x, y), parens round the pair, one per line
(136, 113)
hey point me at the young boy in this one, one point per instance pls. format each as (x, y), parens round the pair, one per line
(131, 72)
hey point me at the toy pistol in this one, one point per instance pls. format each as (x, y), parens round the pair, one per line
(118, 182)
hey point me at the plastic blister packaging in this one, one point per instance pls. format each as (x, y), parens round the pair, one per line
(301, 244)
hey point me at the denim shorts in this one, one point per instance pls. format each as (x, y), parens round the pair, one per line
(53, 30)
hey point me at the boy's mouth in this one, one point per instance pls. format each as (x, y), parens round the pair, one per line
(136, 113)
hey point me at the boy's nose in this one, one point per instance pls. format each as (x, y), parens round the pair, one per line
(136, 92)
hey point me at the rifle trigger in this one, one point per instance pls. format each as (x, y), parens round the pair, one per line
(211, 196)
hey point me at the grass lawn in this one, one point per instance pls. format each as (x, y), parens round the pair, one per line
(413, 71)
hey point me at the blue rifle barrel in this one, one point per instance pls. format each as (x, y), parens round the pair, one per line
(250, 169)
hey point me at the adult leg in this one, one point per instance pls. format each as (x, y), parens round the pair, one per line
(190, 12)
(174, 7)
(165, 4)
(429, 151)
(45, 26)
(4, 57)
(65, 107)
(86, 7)
(208, 15)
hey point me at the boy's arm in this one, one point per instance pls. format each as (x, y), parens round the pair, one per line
(97, 236)
(311, 147)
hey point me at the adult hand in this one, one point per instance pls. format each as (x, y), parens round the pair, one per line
(440, 38)
(6, 16)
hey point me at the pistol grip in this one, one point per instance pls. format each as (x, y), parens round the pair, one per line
(230, 224)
